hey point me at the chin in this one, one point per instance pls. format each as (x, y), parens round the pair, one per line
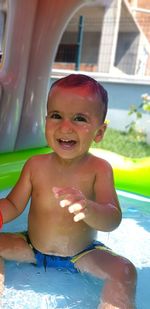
(67, 156)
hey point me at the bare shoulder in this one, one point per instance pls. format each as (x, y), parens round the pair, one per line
(100, 165)
(34, 164)
(38, 159)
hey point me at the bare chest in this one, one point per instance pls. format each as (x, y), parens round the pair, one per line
(45, 180)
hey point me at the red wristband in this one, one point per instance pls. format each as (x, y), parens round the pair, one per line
(1, 220)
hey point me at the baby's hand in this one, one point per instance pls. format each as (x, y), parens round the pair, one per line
(73, 199)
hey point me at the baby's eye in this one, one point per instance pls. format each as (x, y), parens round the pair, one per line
(54, 116)
(80, 118)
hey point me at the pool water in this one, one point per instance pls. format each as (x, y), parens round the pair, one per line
(27, 286)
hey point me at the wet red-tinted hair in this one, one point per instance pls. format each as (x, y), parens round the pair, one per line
(81, 80)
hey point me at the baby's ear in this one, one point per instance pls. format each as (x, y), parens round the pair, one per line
(100, 133)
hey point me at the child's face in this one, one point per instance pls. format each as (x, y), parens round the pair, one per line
(73, 121)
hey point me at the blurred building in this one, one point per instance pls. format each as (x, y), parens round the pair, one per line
(115, 39)
(141, 11)
(107, 36)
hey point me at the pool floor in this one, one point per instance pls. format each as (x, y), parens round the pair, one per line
(27, 286)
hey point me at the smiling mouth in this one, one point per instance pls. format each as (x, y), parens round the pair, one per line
(66, 143)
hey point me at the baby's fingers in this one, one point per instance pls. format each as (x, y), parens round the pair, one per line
(79, 216)
(79, 210)
(73, 206)
(66, 191)
(57, 191)
(64, 203)
(76, 207)
(64, 195)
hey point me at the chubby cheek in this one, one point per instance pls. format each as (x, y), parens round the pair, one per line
(49, 127)
(48, 139)
(89, 131)
(48, 133)
(87, 136)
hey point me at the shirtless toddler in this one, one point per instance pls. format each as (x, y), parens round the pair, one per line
(72, 196)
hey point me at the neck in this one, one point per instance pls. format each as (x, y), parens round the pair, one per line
(70, 162)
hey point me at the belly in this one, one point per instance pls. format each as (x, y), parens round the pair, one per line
(60, 240)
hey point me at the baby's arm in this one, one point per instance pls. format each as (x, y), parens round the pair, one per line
(14, 203)
(103, 212)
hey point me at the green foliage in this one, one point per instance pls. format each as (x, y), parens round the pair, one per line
(133, 142)
(132, 128)
(146, 102)
(124, 144)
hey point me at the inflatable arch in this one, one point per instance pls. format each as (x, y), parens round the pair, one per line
(33, 31)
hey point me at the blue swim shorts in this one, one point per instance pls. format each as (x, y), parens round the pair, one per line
(60, 262)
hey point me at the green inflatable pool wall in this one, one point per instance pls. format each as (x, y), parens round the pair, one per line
(132, 175)
(12, 163)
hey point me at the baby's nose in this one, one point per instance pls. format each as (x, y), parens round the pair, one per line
(66, 126)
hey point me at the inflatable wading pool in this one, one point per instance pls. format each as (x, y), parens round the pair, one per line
(131, 175)
(61, 289)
